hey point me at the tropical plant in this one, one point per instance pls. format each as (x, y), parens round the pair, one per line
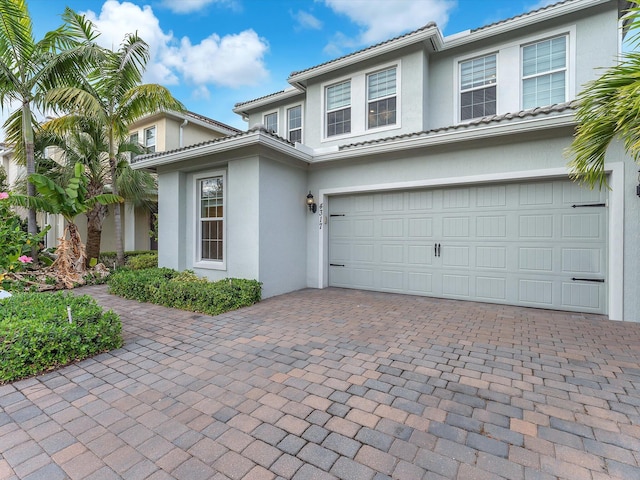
(28, 68)
(85, 143)
(609, 108)
(69, 201)
(112, 93)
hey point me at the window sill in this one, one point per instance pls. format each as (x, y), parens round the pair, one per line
(210, 265)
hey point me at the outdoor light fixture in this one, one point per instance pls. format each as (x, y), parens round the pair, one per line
(310, 203)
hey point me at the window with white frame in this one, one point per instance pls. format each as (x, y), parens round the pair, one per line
(271, 122)
(544, 72)
(150, 139)
(134, 140)
(338, 108)
(294, 124)
(381, 97)
(478, 87)
(211, 218)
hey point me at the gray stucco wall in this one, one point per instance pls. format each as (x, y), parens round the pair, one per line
(519, 154)
(282, 216)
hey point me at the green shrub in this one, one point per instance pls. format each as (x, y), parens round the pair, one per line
(36, 336)
(109, 258)
(184, 290)
(146, 260)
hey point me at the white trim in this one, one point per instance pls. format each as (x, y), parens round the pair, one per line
(615, 203)
(197, 262)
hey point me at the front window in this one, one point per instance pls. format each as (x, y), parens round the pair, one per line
(211, 218)
(544, 73)
(294, 124)
(133, 140)
(271, 122)
(478, 87)
(150, 139)
(381, 95)
(339, 109)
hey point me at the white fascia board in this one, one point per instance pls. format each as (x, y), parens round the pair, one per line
(260, 102)
(224, 145)
(455, 136)
(526, 20)
(390, 46)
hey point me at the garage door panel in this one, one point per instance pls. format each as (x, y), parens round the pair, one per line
(581, 295)
(491, 288)
(582, 260)
(519, 243)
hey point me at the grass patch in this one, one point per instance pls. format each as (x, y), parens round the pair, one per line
(186, 291)
(36, 336)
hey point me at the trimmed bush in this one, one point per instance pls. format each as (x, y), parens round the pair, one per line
(146, 260)
(36, 336)
(109, 258)
(184, 290)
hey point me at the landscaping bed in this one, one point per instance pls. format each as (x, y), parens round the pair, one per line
(42, 331)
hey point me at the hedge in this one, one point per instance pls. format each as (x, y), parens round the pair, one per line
(36, 336)
(186, 291)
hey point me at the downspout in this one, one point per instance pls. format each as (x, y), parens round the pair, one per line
(181, 139)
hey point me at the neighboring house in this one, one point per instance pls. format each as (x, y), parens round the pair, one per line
(158, 132)
(438, 168)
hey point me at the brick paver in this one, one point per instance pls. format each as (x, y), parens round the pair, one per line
(336, 384)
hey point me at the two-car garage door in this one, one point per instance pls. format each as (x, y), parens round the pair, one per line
(540, 244)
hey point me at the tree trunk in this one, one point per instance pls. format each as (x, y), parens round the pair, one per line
(95, 219)
(32, 225)
(117, 208)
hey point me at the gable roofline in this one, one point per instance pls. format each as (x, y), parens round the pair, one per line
(429, 34)
(526, 19)
(240, 107)
(191, 117)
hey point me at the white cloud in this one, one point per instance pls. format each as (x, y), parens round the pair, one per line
(383, 19)
(306, 21)
(232, 60)
(190, 6)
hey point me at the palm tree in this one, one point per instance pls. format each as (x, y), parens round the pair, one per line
(84, 142)
(27, 70)
(112, 93)
(609, 108)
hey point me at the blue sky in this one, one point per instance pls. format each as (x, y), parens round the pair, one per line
(212, 54)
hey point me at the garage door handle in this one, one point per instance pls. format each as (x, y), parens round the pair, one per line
(598, 280)
(436, 250)
(336, 264)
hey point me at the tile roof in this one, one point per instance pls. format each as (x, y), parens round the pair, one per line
(239, 104)
(551, 109)
(212, 121)
(526, 14)
(260, 129)
(425, 27)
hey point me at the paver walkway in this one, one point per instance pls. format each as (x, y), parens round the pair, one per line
(333, 383)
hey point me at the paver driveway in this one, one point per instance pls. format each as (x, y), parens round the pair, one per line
(336, 383)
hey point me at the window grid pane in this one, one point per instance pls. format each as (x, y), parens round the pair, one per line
(382, 84)
(478, 72)
(211, 219)
(294, 121)
(339, 122)
(150, 139)
(478, 103)
(478, 89)
(382, 112)
(339, 95)
(544, 73)
(271, 122)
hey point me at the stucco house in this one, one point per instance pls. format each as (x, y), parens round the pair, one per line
(158, 132)
(423, 165)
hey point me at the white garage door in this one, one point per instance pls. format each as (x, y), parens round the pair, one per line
(538, 244)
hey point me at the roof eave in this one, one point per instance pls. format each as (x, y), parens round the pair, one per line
(431, 36)
(549, 13)
(244, 107)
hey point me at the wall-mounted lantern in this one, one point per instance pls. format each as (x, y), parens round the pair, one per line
(310, 203)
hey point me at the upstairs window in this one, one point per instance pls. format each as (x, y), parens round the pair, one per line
(294, 124)
(271, 122)
(338, 109)
(150, 139)
(381, 96)
(478, 87)
(211, 218)
(544, 73)
(133, 140)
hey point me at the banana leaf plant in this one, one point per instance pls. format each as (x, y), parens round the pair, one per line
(68, 200)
